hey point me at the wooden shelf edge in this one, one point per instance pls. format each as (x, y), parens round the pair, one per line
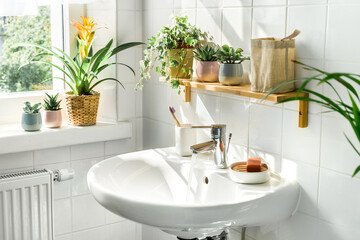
(245, 91)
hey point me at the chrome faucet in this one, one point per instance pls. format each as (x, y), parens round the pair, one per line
(217, 145)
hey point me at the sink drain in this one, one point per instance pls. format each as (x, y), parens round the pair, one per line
(206, 180)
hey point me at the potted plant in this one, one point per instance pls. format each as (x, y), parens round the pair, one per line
(52, 111)
(82, 71)
(207, 66)
(31, 117)
(172, 48)
(231, 70)
(336, 82)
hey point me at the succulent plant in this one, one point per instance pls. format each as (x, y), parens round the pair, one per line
(205, 54)
(229, 55)
(32, 109)
(51, 103)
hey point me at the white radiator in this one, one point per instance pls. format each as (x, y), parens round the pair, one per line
(26, 205)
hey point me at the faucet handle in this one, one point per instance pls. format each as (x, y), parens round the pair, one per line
(218, 130)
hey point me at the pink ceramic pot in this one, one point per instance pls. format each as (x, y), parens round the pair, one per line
(207, 71)
(52, 119)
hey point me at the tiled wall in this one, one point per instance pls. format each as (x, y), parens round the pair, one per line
(77, 216)
(319, 156)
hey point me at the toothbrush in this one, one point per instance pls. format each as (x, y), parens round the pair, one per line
(172, 111)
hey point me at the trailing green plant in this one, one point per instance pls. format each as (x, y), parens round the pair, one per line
(32, 108)
(83, 70)
(350, 111)
(180, 35)
(205, 54)
(229, 55)
(51, 103)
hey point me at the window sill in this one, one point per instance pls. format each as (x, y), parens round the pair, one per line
(14, 139)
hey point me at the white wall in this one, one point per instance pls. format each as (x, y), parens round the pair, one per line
(318, 156)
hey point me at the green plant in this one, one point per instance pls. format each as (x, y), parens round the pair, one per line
(180, 35)
(32, 109)
(229, 55)
(51, 103)
(205, 54)
(350, 111)
(84, 69)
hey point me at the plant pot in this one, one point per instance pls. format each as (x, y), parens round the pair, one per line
(52, 119)
(31, 121)
(176, 72)
(207, 71)
(231, 74)
(82, 110)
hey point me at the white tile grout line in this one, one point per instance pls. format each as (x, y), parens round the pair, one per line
(321, 115)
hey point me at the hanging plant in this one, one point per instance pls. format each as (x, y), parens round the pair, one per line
(172, 49)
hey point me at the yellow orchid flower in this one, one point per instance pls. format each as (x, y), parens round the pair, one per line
(86, 33)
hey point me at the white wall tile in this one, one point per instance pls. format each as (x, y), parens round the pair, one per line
(266, 2)
(64, 237)
(338, 199)
(126, 26)
(112, 218)
(185, 4)
(150, 233)
(336, 152)
(16, 160)
(158, 4)
(328, 231)
(342, 33)
(62, 216)
(85, 151)
(298, 2)
(308, 178)
(91, 234)
(126, 5)
(297, 142)
(269, 22)
(209, 3)
(158, 134)
(299, 227)
(122, 230)
(311, 21)
(52, 155)
(236, 28)
(236, 116)
(265, 128)
(126, 102)
(118, 147)
(79, 182)
(87, 213)
(237, 3)
(209, 19)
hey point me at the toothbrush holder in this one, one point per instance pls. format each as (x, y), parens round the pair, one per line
(185, 136)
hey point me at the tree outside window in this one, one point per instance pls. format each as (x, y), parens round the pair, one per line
(21, 29)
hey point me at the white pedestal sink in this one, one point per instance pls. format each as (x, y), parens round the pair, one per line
(150, 187)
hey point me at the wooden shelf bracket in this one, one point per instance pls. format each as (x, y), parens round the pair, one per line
(303, 114)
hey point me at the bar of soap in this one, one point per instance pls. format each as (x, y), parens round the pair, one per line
(253, 165)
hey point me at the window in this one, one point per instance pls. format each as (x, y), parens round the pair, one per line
(33, 26)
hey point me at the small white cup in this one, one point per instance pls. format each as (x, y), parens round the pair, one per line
(185, 136)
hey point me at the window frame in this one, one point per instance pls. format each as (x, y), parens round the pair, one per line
(11, 103)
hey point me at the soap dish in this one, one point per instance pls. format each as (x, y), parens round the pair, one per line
(240, 175)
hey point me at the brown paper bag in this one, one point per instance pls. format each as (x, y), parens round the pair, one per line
(271, 63)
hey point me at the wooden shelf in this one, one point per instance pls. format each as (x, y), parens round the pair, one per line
(245, 91)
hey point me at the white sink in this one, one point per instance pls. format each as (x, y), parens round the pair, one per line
(150, 187)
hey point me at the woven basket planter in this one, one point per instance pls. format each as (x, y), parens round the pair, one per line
(82, 110)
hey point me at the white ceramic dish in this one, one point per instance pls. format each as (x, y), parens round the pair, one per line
(249, 177)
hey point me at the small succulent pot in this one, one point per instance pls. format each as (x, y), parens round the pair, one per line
(231, 74)
(52, 119)
(207, 71)
(31, 121)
